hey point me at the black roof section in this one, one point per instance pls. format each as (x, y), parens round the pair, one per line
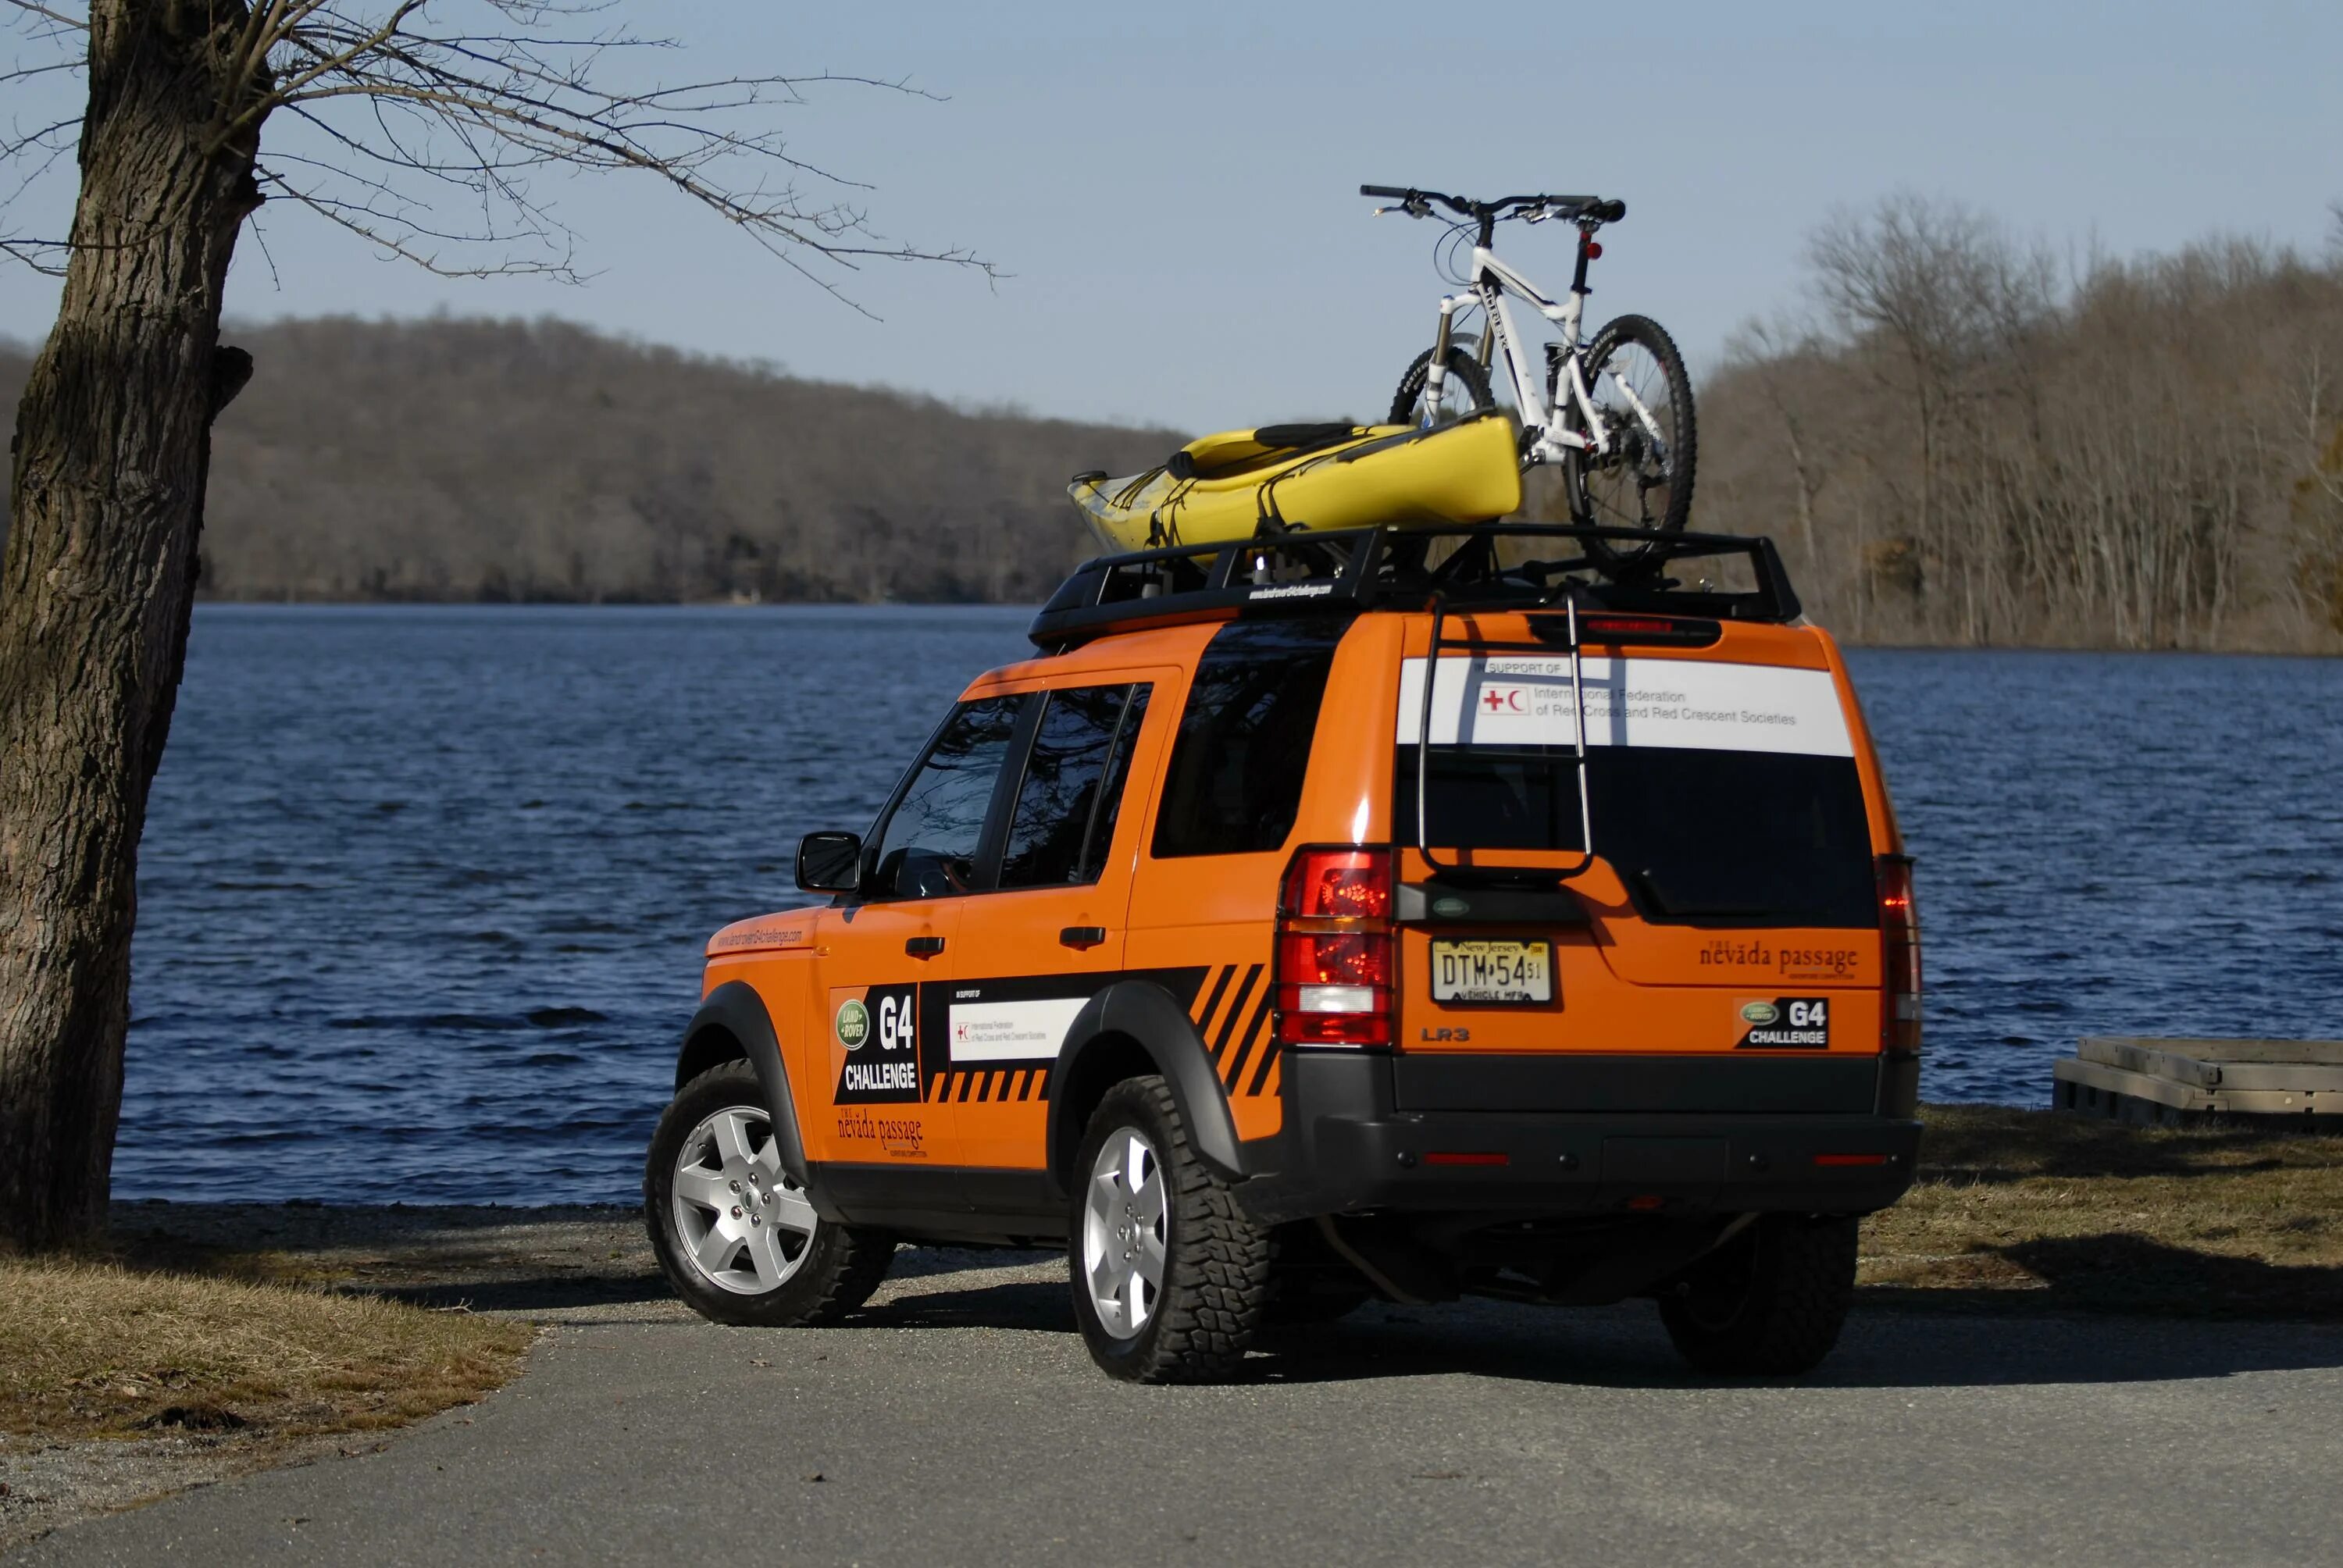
(1462, 567)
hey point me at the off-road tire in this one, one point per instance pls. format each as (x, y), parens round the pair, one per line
(846, 1263)
(1462, 367)
(1216, 1268)
(1682, 467)
(1768, 1304)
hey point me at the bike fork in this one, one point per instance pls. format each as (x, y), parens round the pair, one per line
(1435, 373)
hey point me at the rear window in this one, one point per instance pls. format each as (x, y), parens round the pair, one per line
(1723, 794)
(1234, 783)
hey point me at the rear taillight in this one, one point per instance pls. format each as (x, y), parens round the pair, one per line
(1334, 948)
(1899, 930)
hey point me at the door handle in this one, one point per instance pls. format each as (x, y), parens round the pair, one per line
(924, 947)
(1082, 936)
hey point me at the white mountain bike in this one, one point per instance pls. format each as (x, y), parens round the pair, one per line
(1616, 413)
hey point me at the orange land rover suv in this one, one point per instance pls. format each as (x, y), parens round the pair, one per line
(1514, 911)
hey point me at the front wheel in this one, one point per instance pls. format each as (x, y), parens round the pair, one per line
(1642, 396)
(1170, 1276)
(1463, 390)
(1769, 1302)
(736, 1236)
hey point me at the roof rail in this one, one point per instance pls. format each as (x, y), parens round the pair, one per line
(1485, 567)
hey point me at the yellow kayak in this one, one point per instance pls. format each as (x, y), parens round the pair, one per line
(1287, 477)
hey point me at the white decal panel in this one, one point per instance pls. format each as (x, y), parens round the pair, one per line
(1694, 704)
(1012, 1031)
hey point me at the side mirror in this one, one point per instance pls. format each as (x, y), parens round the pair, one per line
(831, 862)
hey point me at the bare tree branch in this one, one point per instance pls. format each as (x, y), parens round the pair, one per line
(380, 112)
(69, 23)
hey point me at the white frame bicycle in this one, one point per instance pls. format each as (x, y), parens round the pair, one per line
(1571, 426)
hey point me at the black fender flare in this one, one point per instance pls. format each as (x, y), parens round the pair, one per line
(1142, 1011)
(734, 1009)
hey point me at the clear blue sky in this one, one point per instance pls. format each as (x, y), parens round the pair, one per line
(1172, 188)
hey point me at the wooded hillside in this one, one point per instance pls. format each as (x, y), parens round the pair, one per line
(1962, 438)
(474, 459)
(1968, 440)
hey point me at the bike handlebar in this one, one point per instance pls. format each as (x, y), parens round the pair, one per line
(1573, 209)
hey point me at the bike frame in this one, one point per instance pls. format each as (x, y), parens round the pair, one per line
(1551, 437)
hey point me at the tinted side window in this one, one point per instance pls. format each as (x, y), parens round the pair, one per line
(1118, 774)
(1067, 803)
(928, 846)
(1234, 782)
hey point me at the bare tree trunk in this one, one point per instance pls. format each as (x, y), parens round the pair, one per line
(107, 506)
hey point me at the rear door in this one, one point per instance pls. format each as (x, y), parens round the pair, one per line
(1032, 951)
(1731, 906)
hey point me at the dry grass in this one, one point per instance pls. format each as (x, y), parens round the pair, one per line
(2234, 1220)
(91, 1348)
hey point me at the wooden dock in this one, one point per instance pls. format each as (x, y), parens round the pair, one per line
(2154, 1082)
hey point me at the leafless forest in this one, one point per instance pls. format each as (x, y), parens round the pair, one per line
(1960, 439)
(1969, 439)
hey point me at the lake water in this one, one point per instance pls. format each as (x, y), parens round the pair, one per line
(424, 889)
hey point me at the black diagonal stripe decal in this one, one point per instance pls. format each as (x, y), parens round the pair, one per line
(967, 1082)
(1226, 973)
(1251, 1032)
(1268, 1059)
(1041, 1082)
(1236, 1011)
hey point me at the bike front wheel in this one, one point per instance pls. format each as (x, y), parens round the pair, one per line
(1464, 390)
(1643, 396)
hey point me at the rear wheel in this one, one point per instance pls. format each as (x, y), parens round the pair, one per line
(1768, 1304)
(1645, 481)
(735, 1234)
(1169, 1277)
(1464, 390)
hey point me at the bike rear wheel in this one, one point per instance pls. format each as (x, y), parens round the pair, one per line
(1465, 390)
(1645, 481)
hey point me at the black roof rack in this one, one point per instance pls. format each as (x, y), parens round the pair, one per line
(1355, 569)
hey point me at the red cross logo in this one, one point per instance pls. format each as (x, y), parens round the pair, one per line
(1505, 701)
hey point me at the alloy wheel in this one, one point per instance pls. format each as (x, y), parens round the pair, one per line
(1125, 1232)
(745, 1225)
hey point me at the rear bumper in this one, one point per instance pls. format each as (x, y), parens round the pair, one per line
(1673, 1143)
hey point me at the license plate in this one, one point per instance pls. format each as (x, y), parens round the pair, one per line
(1491, 973)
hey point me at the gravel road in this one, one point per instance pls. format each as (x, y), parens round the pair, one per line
(960, 1422)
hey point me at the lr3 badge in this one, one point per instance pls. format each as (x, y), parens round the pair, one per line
(880, 1033)
(1787, 1023)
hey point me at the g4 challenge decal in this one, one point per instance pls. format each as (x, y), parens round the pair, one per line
(1787, 1023)
(880, 1033)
